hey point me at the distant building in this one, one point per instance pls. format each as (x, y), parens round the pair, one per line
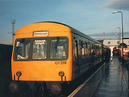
(111, 43)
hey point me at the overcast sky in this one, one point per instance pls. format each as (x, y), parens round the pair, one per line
(92, 17)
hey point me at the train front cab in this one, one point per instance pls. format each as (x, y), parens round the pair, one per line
(53, 44)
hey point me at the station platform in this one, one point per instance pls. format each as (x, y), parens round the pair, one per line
(106, 82)
(113, 84)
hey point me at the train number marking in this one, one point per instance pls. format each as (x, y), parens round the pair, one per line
(60, 62)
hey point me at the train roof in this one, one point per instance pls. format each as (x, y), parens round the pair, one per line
(75, 31)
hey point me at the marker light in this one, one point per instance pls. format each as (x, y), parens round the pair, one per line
(61, 73)
(18, 74)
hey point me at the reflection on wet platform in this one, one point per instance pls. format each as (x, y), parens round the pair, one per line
(112, 85)
(106, 82)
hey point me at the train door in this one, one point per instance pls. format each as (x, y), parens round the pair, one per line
(77, 65)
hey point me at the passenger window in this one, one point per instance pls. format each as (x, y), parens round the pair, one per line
(86, 49)
(80, 48)
(76, 48)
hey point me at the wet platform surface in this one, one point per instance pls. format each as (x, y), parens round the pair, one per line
(112, 85)
(105, 82)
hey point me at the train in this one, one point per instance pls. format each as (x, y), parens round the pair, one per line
(53, 53)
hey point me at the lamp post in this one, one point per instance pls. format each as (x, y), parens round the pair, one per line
(122, 30)
(118, 29)
(13, 23)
